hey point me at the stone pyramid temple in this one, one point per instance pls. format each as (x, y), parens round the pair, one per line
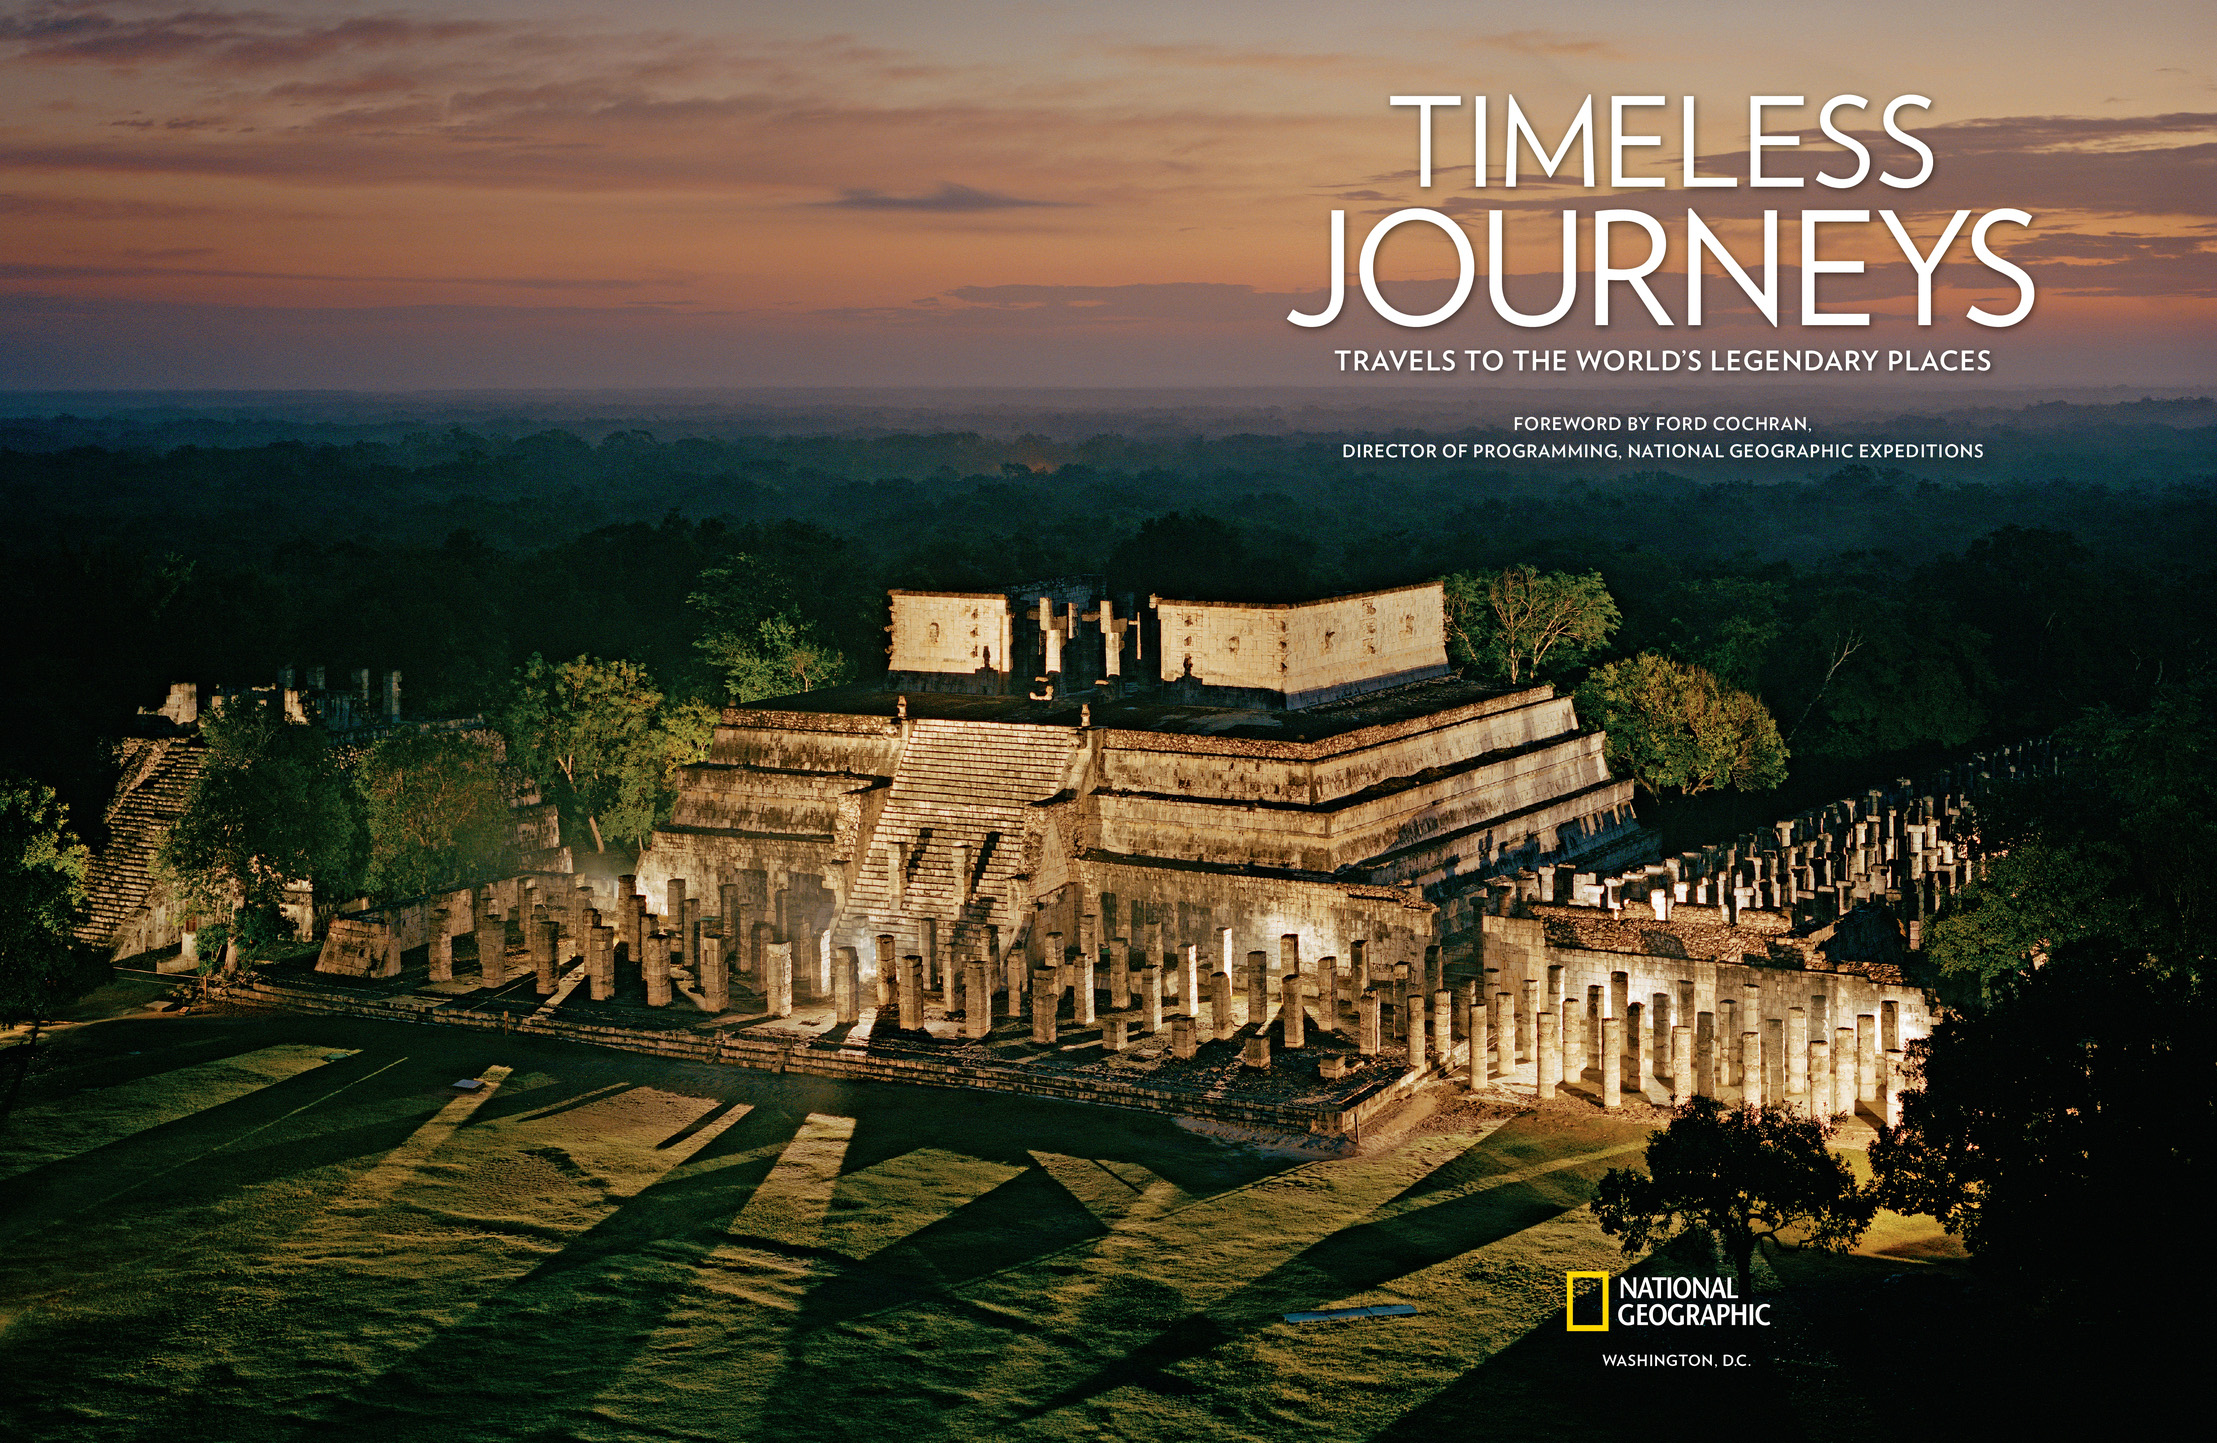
(1042, 755)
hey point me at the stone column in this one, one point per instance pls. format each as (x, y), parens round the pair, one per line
(1866, 1057)
(689, 938)
(442, 946)
(1414, 1008)
(1046, 999)
(1369, 1009)
(1549, 1070)
(1525, 1016)
(1470, 1015)
(1681, 1064)
(1256, 1053)
(1774, 1058)
(1115, 1032)
(1189, 979)
(1892, 1082)
(846, 985)
(1443, 1026)
(886, 966)
(1150, 999)
(1797, 1057)
(604, 971)
(1184, 1036)
(910, 982)
(1289, 955)
(1222, 1023)
(1258, 990)
(1120, 974)
(492, 947)
(1843, 1072)
(714, 980)
(1612, 1063)
(544, 955)
(1476, 1068)
(1820, 1079)
(1751, 1068)
(1292, 1013)
(676, 909)
(777, 986)
(654, 972)
(977, 1002)
(1082, 998)
(1705, 1054)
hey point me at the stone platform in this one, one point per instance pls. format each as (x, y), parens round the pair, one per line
(1289, 1096)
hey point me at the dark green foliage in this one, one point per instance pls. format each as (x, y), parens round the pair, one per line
(2123, 846)
(603, 739)
(757, 639)
(1980, 605)
(272, 806)
(1676, 727)
(2072, 1090)
(1518, 625)
(1739, 1174)
(2061, 1127)
(436, 811)
(42, 880)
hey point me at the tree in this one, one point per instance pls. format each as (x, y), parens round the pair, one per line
(436, 811)
(271, 807)
(2077, 1098)
(781, 655)
(1515, 624)
(590, 730)
(42, 889)
(756, 639)
(688, 730)
(1674, 725)
(2121, 845)
(1739, 1174)
(2075, 1086)
(2023, 905)
(1730, 625)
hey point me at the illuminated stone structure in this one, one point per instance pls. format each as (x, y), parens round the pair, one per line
(1047, 760)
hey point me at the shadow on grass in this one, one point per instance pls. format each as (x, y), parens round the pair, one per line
(525, 1360)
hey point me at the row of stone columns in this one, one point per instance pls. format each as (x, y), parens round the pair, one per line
(1822, 1079)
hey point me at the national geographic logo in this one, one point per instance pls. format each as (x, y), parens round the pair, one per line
(1586, 1309)
(1656, 1302)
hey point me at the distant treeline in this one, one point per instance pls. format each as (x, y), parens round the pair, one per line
(1879, 614)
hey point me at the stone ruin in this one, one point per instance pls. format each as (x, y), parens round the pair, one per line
(1425, 877)
(133, 911)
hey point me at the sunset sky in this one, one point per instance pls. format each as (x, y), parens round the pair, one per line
(300, 194)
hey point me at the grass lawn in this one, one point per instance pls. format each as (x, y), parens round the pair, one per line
(248, 1227)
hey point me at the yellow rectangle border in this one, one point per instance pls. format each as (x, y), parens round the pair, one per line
(1570, 1299)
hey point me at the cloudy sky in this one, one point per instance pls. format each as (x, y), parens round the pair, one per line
(672, 192)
